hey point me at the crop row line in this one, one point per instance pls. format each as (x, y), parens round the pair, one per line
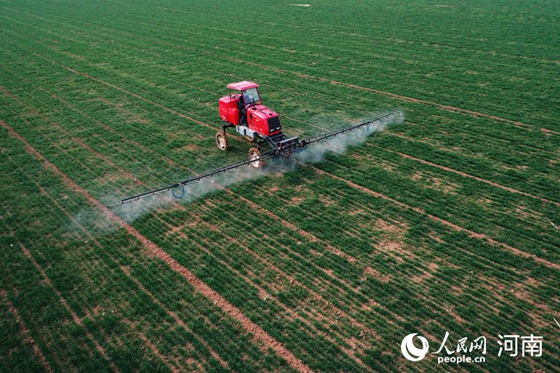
(367, 271)
(125, 270)
(75, 317)
(290, 313)
(291, 226)
(507, 210)
(448, 108)
(403, 98)
(206, 125)
(353, 34)
(181, 115)
(330, 248)
(273, 267)
(467, 175)
(409, 254)
(257, 332)
(165, 359)
(233, 223)
(478, 136)
(170, 109)
(456, 227)
(166, 26)
(442, 221)
(74, 138)
(25, 331)
(98, 244)
(174, 315)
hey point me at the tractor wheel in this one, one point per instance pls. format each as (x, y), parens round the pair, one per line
(222, 140)
(255, 154)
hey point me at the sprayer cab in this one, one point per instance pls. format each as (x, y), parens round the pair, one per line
(243, 107)
(243, 110)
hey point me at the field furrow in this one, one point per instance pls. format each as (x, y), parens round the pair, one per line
(445, 224)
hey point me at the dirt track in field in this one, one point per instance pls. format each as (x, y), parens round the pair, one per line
(75, 317)
(258, 333)
(25, 331)
(456, 227)
(177, 267)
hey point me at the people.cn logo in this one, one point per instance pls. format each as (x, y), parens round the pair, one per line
(410, 351)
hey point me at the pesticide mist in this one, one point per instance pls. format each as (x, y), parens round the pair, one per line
(315, 153)
(340, 144)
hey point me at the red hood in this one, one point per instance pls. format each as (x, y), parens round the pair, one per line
(261, 111)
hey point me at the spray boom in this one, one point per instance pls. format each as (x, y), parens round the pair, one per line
(279, 147)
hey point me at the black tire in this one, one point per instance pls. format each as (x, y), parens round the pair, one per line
(222, 140)
(253, 154)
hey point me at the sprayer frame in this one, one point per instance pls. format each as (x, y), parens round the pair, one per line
(282, 147)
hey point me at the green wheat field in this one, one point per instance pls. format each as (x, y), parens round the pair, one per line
(447, 224)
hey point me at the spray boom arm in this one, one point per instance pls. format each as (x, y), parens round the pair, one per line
(279, 149)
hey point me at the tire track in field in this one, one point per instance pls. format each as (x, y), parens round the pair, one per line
(135, 95)
(175, 317)
(467, 175)
(154, 349)
(389, 94)
(254, 205)
(271, 266)
(448, 108)
(285, 223)
(477, 235)
(259, 334)
(74, 138)
(347, 352)
(410, 157)
(454, 226)
(75, 317)
(25, 331)
(290, 313)
(403, 98)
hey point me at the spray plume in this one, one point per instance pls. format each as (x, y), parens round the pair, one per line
(314, 154)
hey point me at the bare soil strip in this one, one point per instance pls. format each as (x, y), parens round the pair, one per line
(75, 317)
(464, 174)
(456, 227)
(93, 239)
(258, 333)
(292, 314)
(25, 331)
(395, 96)
(453, 109)
(181, 115)
(338, 252)
(293, 281)
(176, 318)
(289, 311)
(77, 140)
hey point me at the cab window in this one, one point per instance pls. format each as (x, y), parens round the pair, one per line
(251, 96)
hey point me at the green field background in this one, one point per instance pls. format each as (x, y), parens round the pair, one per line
(448, 222)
